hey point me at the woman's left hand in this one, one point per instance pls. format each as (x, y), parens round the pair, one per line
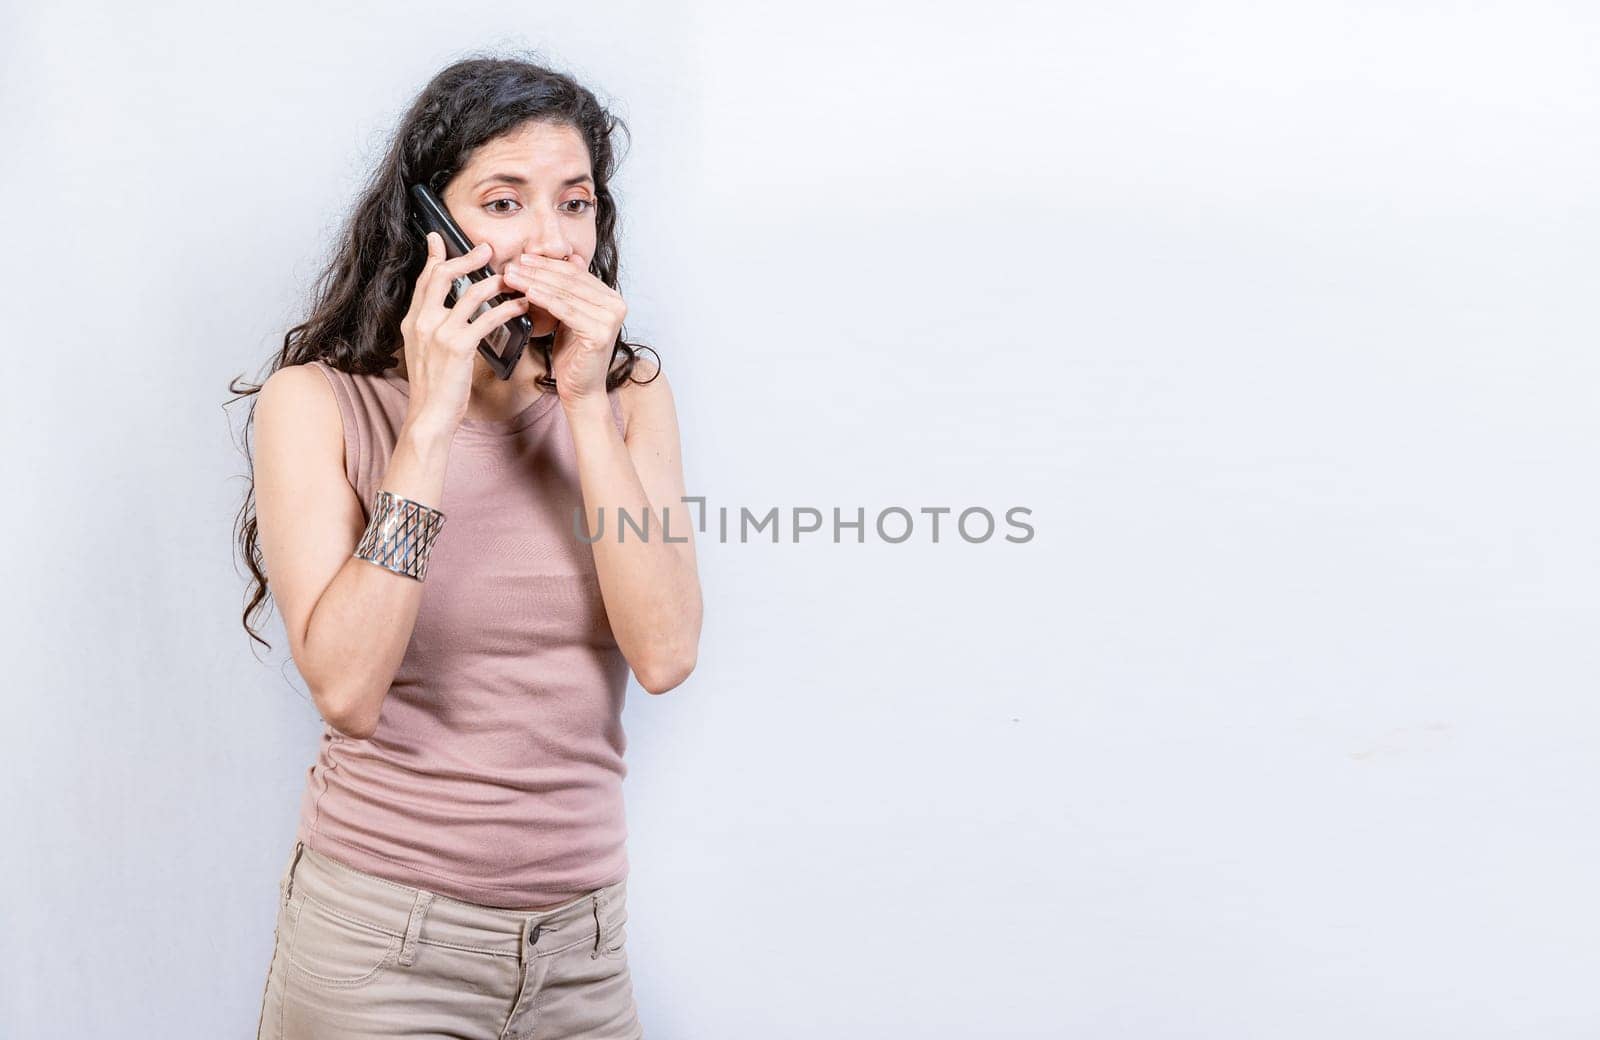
(590, 313)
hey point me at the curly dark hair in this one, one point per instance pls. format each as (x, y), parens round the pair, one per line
(365, 290)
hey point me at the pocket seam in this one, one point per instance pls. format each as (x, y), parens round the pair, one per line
(390, 956)
(334, 911)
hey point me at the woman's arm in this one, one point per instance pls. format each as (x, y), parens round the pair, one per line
(650, 586)
(348, 621)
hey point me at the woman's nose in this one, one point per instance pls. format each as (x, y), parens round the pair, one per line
(551, 244)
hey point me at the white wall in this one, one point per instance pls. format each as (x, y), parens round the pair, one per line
(1279, 318)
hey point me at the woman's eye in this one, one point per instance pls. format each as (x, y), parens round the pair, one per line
(585, 205)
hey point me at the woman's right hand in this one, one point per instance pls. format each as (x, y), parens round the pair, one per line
(440, 342)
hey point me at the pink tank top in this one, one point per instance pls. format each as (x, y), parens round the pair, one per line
(495, 773)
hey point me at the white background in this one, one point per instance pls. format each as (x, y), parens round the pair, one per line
(1279, 317)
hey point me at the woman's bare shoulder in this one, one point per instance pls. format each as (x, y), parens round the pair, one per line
(645, 390)
(299, 401)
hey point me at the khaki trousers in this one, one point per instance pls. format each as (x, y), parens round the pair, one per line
(360, 956)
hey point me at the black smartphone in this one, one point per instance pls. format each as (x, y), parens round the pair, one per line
(503, 346)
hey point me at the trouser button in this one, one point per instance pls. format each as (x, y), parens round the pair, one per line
(533, 936)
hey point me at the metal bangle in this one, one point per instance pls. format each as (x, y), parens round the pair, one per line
(400, 535)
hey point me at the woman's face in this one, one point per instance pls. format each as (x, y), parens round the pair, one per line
(529, 191)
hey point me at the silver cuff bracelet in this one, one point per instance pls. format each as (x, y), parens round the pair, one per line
(400, 535)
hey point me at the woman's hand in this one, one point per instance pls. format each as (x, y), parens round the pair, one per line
(440, 342)
(590, 313)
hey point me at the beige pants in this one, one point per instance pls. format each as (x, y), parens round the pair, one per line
(360, 956)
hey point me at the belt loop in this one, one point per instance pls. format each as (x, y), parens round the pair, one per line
(286, 885)
(419, 910)
(599, 926)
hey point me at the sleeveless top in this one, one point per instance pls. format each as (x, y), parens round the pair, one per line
(495, 773)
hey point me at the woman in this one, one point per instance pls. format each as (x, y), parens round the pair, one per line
(459, 867)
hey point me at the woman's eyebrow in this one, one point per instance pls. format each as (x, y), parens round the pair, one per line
(522, 182)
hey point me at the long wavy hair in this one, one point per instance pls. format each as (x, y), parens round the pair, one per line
(365, 290)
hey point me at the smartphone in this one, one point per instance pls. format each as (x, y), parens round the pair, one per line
(503, 346)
